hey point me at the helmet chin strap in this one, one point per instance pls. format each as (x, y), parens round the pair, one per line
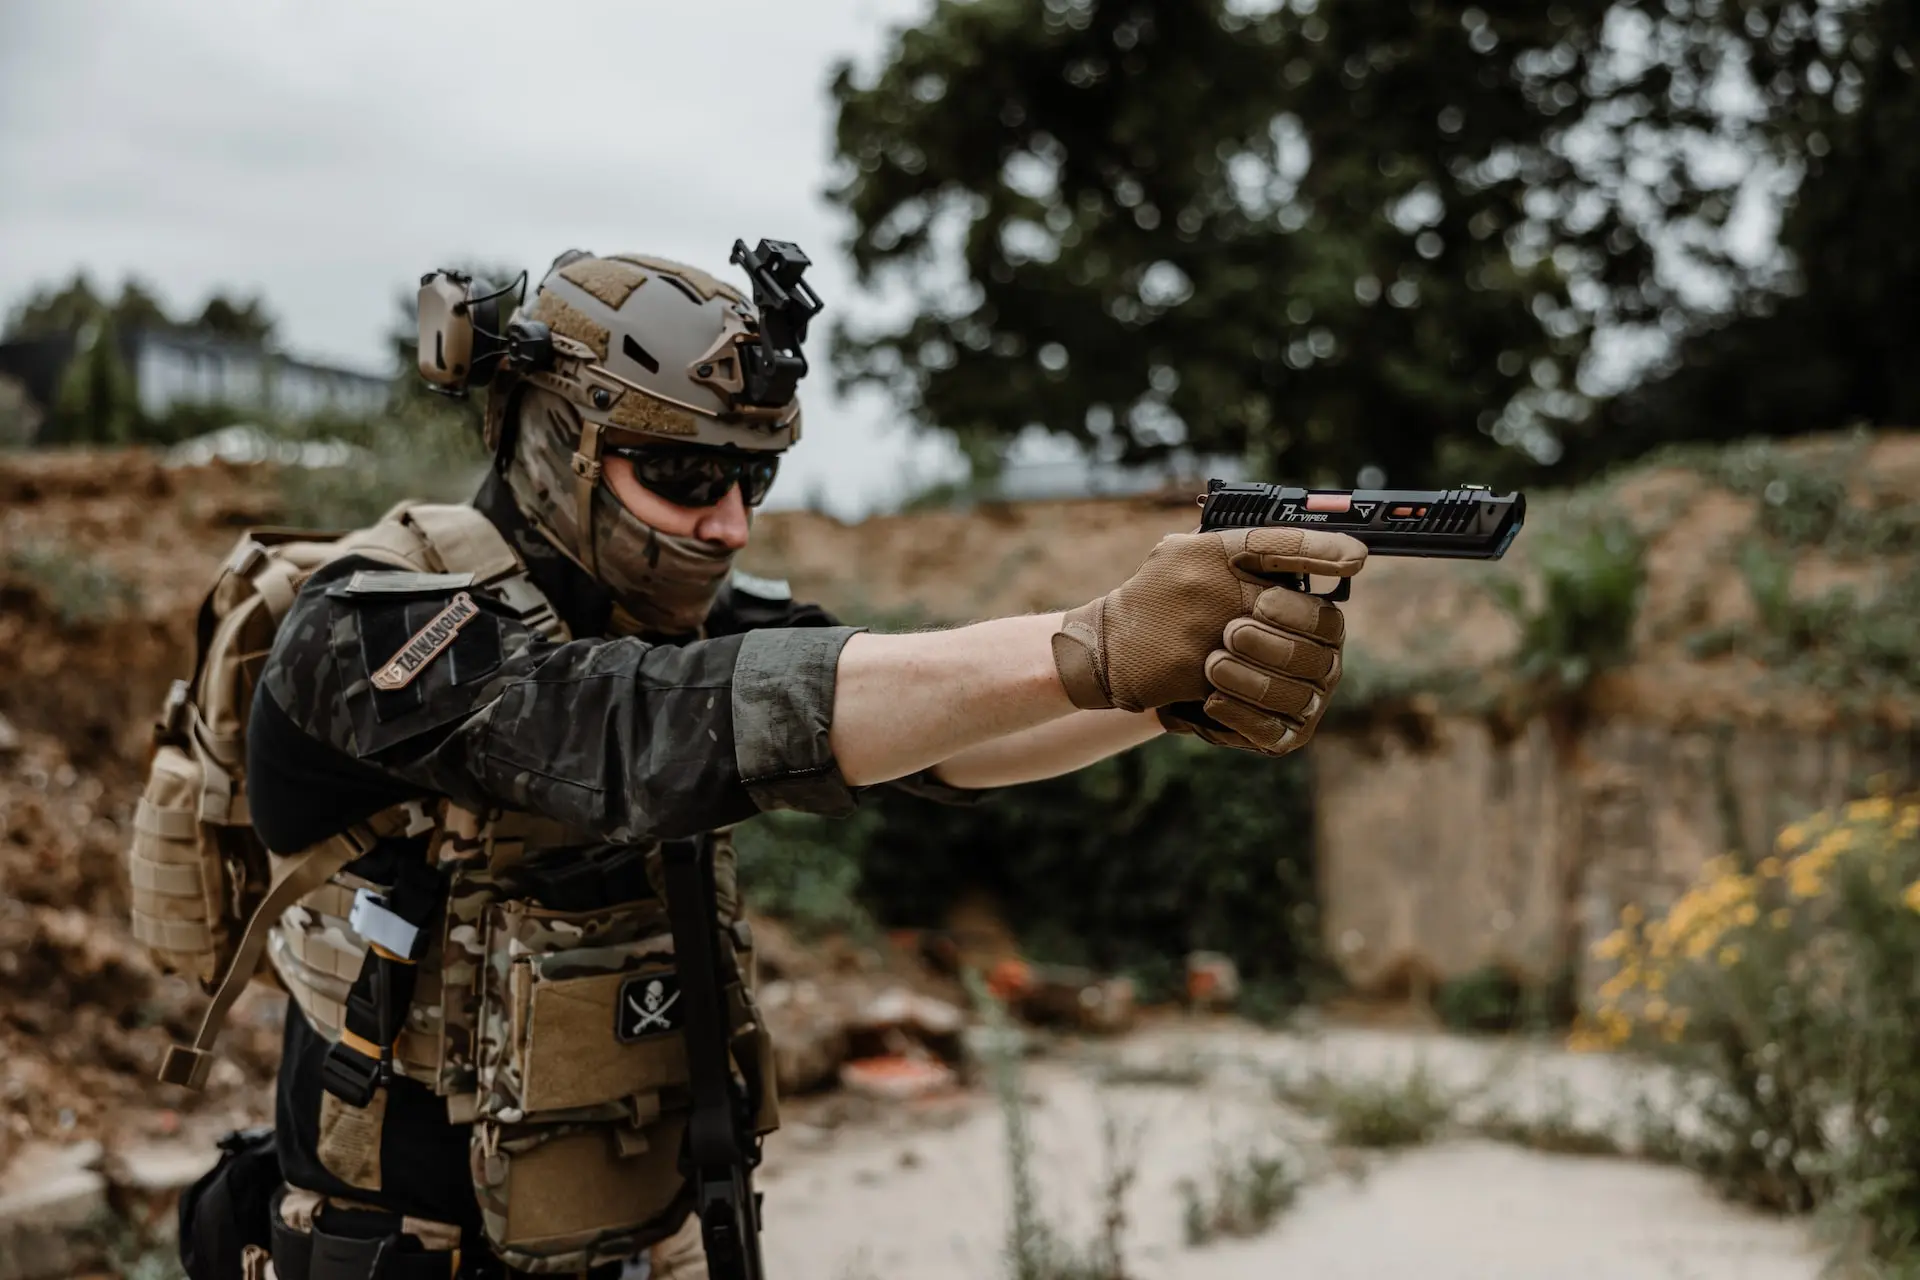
(586, 478)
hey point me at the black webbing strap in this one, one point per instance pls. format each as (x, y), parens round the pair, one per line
(721, 1150)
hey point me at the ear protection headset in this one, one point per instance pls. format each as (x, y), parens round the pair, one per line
(461, 345)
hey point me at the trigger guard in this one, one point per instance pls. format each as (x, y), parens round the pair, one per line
(1342, 590)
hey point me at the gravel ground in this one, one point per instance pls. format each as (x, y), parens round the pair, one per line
(926, 1198)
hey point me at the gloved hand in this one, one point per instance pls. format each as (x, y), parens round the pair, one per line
(1156, 641)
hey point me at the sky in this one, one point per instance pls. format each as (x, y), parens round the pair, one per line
(325, 155)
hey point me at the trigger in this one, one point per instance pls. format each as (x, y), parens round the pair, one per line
(1338, 594)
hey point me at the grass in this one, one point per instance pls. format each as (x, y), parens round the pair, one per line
(1555, 1128)
(1401, 1110)
(1036, 1249)
(77, 588)
(1245, 1192)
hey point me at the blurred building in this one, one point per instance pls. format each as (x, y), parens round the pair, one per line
(170, 369)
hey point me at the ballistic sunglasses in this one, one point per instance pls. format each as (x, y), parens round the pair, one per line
(695, 476)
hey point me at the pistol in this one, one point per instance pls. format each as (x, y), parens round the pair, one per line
(1468, 523)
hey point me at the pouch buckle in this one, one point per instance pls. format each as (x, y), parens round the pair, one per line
(350, 1075)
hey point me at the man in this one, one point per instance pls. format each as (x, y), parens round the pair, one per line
(482, 1071)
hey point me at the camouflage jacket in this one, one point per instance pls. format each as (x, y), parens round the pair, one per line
(635, 741)
(631, 740)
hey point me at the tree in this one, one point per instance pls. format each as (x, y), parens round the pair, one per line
(48, 311)
(1287, 234)
(1381, 231)
(96, 402)
(242, 320)
(1832, 336)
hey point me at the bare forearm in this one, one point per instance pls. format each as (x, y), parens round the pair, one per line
(1049, 750)
(906, 703)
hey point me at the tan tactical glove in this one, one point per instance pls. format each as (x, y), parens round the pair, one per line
(1156, 641)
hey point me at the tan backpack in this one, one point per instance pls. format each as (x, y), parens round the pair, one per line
(203, 887)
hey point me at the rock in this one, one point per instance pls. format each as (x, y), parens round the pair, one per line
(1213, 980)
(898, 1007)
(9, 737)
(48, 1197)
(1473, 848)
(809, 1034)
(896, 1078)
(1063, 995)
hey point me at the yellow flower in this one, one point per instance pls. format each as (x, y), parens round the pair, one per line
(1878, 809)
(1747, 914)
(1770, 867)
(1791, 836)
(1912, 896)
(1729, 957)
(1909, 823)
(1631, 915)
(1655, 981)
(1781, 917)
(1618, 985)
(1656, 1010)
(1804, 878)
(1611, 947)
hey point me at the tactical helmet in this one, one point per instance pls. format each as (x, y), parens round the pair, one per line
(651, 348)
(624, 349)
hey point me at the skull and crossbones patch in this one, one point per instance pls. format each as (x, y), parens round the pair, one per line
(649, 1006)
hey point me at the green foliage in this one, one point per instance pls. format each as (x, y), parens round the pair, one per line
(1124, 866)
(71, 307)
(1493, 999)
(1785, 993)
(1829, 336)
(412, 453)
(1580, 619)
(1555, 1128)
(1247, 1190)
(78, 589)
(805, 871)
(1036, 1249)
(1804, 496)
(1371, 686)
(1299, 233)
(1488, 999)
(1854, 642)
(96, 402)
(1399, 1110)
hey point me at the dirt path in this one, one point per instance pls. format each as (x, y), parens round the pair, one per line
(926, 1198)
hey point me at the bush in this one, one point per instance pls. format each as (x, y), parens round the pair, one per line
(76, 588)
(1789, 991)
(1124, 866)
(1398, 1110)
(427, 453)
(1590, 581)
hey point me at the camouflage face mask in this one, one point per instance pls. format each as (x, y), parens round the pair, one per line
(662, 583)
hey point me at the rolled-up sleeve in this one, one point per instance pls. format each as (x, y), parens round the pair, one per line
(783, 687)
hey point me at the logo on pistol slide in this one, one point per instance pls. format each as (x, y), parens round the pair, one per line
(428, 643)
(649, 1006)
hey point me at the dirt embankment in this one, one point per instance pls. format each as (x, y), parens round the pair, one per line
(103, 557)
(1696, 517)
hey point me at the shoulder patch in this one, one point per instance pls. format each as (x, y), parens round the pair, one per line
(764, 588)
(386, 584)
(426, 644)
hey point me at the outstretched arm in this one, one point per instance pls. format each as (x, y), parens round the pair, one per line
(1049, 750)
(906, 703)
(983, 703)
